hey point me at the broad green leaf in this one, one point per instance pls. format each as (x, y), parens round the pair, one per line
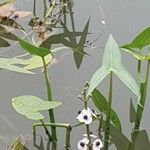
(11, 64)
(112, 62)
(132, 112)
(135, 47)
(39, 51)
(142, 40)
(30, 106)
(101, 103)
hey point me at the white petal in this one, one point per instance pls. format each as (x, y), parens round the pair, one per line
(91, 135)
(80, 118)
(85, 140)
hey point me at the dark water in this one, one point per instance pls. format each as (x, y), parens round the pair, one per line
(124, 19)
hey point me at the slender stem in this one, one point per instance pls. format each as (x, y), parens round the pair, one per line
(61, 125)
(87, 125)
(143, 91)
(49, 95)
(106, 137)
(46, 130)
(67, 145)
(139, 70)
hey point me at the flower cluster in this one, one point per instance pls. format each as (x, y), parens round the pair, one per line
(85, 116)
(96, 145)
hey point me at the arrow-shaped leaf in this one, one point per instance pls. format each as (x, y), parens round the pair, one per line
(112, 62)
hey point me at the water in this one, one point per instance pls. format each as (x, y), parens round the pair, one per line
(124, 19)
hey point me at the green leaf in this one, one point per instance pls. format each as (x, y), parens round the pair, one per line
(101, 103)
(142, 40)
(39, 51)
(112, 62)
(30, 106)
(11, 64)
(132, 112)
(135, 47)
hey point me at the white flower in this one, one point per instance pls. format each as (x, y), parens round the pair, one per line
(97, 144)
(82, 144)
(86, 116)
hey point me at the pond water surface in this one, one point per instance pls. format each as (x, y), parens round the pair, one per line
(124, 19)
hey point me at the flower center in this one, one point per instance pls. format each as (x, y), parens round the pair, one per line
(79, 112)
(97, 143)
(82, 144)
(85, 117)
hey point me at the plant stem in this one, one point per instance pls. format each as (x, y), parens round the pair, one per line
(61, 125)
(46, 130)
(143, 91)
(106, 136)
(49, 96)
(87, 125)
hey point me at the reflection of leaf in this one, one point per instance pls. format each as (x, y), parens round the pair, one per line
(39, 51)
(11, 64)
(36, 62)
(3, 43)
(79, 53)
(101, 103)
(142, 141)
(132, 112)
(112, 62)
(30, 106)
(59, 38)
(120, 141)
(68, 39)
(6, 34)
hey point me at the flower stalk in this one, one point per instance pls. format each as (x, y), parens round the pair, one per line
(107, 130)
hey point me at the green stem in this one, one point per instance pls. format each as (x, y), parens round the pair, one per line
(107, 131)
(46, 130)
(87, 125)
(61, 125)
(49, 96)
(143, 91)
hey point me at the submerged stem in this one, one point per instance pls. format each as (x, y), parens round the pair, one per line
(34, 8)
(49, 96)
(107, 130)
